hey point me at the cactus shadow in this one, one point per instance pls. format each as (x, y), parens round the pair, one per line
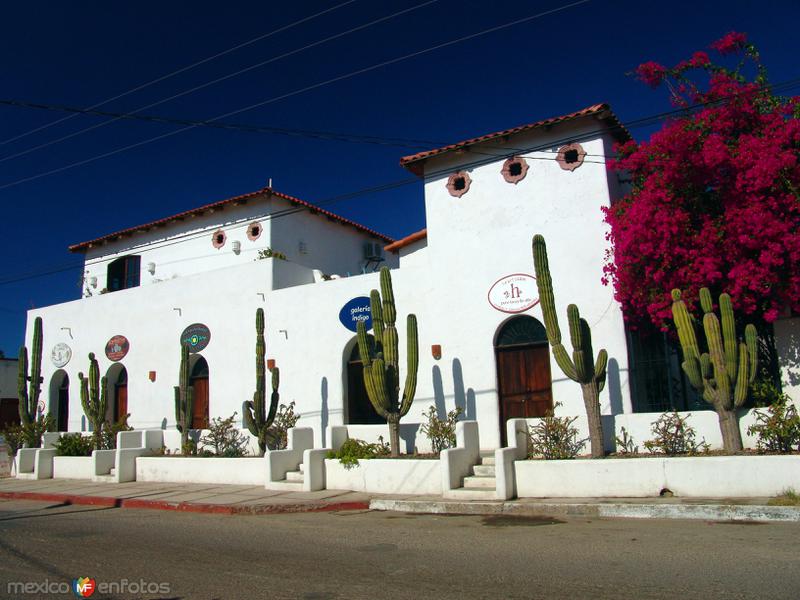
(323, 411)
(408, 434)
(463, 398)
(614, 387)
(438, 392)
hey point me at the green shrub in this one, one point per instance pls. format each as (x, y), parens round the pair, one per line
(673, 435)
(13, 437)
(110, 431)
(285, 419)
(625, 443)
(225, 438)
(554, 438)
(778, 429)
(441, 432)
(32, 432)
(354, 450)
(74, 444)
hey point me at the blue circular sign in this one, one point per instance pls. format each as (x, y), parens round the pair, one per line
(356, 310)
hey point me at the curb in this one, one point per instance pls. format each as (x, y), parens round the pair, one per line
(705, 512)
(190, 507)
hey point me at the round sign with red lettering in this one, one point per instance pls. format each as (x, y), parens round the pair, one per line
(117, 347)
(514, 293)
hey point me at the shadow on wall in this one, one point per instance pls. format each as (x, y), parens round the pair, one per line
(614, 388)
(464, 398)
(323, 412)
(787, 345)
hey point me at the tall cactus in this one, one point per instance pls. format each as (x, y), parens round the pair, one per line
(29, 387)
(93, 399)
(723, 374)
(381, 360)
(184, 400)
(582, 367)
(256, 418)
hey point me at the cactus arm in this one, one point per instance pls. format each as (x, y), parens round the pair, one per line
(742, 381)
(544, 284)
(364, 349)
(716, 351)
(178, 412)
(274, 398)
(685, 326)
(36, 367)
(691, 366)
(376, 387)
(412, 361)
(376, 314)
(247, 417)
(600, 369)
(705, 300)
(751, 343)
(729, 341)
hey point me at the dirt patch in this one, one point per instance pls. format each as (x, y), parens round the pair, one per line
(519, 520)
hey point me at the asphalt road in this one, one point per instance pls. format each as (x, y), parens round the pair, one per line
(353, 555)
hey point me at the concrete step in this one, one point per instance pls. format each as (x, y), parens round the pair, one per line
(487, 460)
(289, 486)
(295, 476)
(471, 494)
(483, 483)
(484, 470)
(301, 468)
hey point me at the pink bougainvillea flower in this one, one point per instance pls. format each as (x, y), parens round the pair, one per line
(651, 73)
(731, 42)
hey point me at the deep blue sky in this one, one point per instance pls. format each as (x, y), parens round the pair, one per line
(80, 53)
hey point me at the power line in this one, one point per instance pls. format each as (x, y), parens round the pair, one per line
(295, 92)
(219, 79)
(184, 69)
(485, 159)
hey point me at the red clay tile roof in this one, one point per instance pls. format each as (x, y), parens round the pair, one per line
(406, 241)
(221, 204)
(414, 162)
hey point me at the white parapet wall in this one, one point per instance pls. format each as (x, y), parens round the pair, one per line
(386, 476)
(173, 469)
(701, 476)
(73, 467)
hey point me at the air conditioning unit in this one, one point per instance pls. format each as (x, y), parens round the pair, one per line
(373, 251)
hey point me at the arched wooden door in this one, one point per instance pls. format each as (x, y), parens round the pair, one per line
(59, 399)
(359, 408)
(121, 395)
(523, 371)
(199, 381)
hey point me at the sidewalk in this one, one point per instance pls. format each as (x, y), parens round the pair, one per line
(255, 500)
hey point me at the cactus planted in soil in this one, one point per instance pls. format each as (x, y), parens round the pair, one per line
(723, 374)
(184, 400)
(582, 366)
(93, 400)
(380, 359)
(257, 418)
(29, 387)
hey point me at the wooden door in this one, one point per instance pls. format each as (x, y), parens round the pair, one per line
(200, 412)
(63, 406)
(359, 409)
(121, 404)
(524, 384)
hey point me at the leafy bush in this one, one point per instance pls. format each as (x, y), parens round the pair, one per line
(225, 438)
(285, 419)
(13, 437)
(554, 438)
(74, 444)
(111, 430)
(270, 253)
(778, 429)
(673, 435)
(32, 432)
(441, 432)
(625, 443)
(764, 393)
(354, 450)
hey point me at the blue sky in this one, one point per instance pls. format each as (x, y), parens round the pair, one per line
(81, 53)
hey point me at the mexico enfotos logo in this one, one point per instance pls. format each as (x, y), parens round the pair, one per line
(85, 587)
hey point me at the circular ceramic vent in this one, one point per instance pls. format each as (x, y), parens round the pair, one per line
(458, 184)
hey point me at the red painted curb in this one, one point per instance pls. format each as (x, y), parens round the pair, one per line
(192, 507)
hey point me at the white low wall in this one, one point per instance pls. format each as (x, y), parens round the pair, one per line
(237, 471)
(73, 467)
(703, 476)
(386, 476)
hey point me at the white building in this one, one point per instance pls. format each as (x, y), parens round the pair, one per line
(466, 277)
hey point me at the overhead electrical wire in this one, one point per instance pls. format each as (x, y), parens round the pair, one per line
(296, 92)
(186, 68)
(485, 158)
(219, 79)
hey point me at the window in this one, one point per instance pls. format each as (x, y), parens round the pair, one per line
(123, 273)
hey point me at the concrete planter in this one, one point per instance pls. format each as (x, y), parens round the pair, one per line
(386, 476)
(702, 476)
(73, 467)
(236, 471)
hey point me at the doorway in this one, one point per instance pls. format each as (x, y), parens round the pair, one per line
(59, 399)
(524, 384)
(117, 390)
(359, 409)
(199, 382)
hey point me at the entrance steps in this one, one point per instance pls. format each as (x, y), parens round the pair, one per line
(294, 480)
(481, 485)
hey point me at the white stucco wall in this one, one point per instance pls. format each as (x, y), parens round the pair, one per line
(787, 344)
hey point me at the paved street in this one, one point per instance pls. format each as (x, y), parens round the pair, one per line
(361, 554)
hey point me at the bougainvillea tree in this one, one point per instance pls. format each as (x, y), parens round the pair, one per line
(715, 193)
